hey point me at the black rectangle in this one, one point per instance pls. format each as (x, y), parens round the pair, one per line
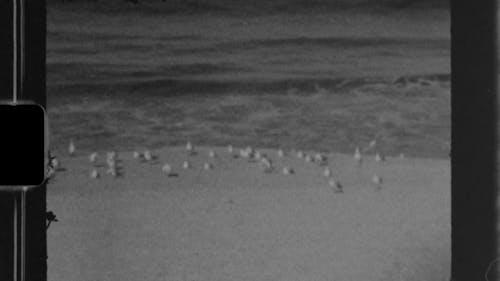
(22, 135)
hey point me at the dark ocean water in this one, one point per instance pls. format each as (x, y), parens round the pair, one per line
(326, 76)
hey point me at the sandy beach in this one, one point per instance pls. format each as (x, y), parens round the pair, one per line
(311, 75)
(235, 222)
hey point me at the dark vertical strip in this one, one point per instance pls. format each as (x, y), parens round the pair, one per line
(474, 139)
(34, 90)
(6, 199)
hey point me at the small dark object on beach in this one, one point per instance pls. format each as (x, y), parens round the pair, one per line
(50, 218)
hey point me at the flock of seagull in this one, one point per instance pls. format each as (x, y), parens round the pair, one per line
(254, 155)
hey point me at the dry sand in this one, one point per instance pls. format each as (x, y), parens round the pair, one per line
(235, 222)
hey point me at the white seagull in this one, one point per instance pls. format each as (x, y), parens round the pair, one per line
(281, 153)
(321, 159)
(71, 147)
(336, 185)
(288, 171)
(93, 157)
(207, 166)
(186, 165)
(377, 181)
(357, 156)
(308, 158)
(94, 174)
(327, 172)
(136, 155)
(189, 148)
(257, 155)
(379, 157)
(147, 155)
(167, 169)
(211, 153)
(300, 154)
(267, 164)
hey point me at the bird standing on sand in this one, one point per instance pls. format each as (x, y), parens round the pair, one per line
(327, 172)
(357, 156)
(377, 181)
(71, 148)
(300, 154)
(250, 151)
(189, 148)
(207, 166)
(308, 158)
(211, 154)
(243, 153)
(281, 153)
(53, 162)
(147, 155)
(186, 165)
(257, 155)
(379, 157)
(94, 174)
(335, 184)
(93, 157)
(288, 171)
(267, 164)
(136, 155)
(321, 159)
(167, 169)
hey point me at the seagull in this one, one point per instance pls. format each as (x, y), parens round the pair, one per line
(327, 172)
(308, 158)
(336, 185)
(377, 181)
(93, 157)
(230, 148)
(300, 154)
(50, 172)
(186, 165)
(137, 155)
(189, 148)
(167, 169)
(211, 153)
(267, 164)
(54, 162)
(244, 153)
(288, 171)
(257, 155)
(281, 153)
(379, 157)
(147, 155)
(207, 166)
(250, 151)
(71, 148)
(94, 174)
(357, 156)
(320, 159)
